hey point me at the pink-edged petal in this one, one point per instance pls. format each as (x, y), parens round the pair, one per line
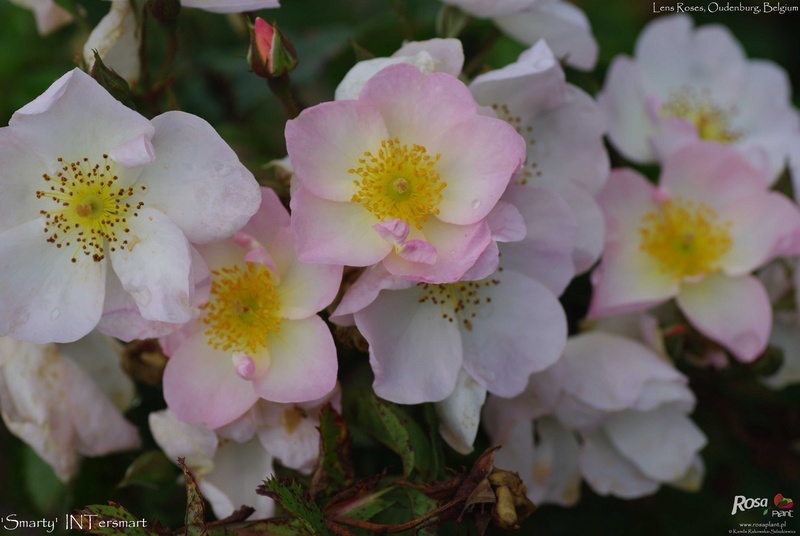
(458, 248)
(330, 232)
(364, 291)
(46, 297)
(628, 279)
(563, 25)
(135, 153)
(414, 352)
(623, 101)
(545, 254)
(479, 157)
(304, 288)
(661, 443)
(271, 216)
(506, 223)
(712, 173)
(521, 331)
(201, 385)
(417, 108)
(734, 311)
(486, 265)
(155, 268)
(197, 179)
(609, 473)
(303, 362)
(326, 141)
(763, 227)
(395, 232)
(58, 123)
(460, 413)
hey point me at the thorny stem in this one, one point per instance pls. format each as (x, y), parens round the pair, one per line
(282, 88)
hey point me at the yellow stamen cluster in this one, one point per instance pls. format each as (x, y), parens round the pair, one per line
(93, 211)
(458, 300)
(686, 238)
(400, 182)
(712, 122)
(243, 308)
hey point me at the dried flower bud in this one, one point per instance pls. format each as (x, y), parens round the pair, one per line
(271, 54)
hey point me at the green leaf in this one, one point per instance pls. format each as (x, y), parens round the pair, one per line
(335, 468)
(421, 505)
(151, 470)
(109, 519)
(47, 492)
(392, 426)
(195, 506)
(297, 502)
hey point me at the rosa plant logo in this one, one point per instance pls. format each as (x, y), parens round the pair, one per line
(742, 503)
(784, 503)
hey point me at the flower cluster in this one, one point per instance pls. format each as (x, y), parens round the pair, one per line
(465, 231)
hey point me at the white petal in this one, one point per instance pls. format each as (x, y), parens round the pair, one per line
(661, 443)
(460, 413)
(155, 268)
(414, 352)
(46, 297)
(197, 179)
(608, 473)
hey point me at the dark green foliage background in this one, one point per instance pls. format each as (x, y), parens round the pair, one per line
(754, 434)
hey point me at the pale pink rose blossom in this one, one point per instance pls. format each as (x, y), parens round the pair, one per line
(685, 84)
(66, 400)
(562, 24)
(563, 128)
(405, 175)
(610, 411)
(696, 237)
(498, 325)
(258, 336)
(99, 208)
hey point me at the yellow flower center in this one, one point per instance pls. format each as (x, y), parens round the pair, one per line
(400, 182)
(712, 122)
(243, 308)
(91, 209)
(458, 301)
(686, 238)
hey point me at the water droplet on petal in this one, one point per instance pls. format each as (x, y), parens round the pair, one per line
(142, 296)
(476, 204)
(55, 313)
